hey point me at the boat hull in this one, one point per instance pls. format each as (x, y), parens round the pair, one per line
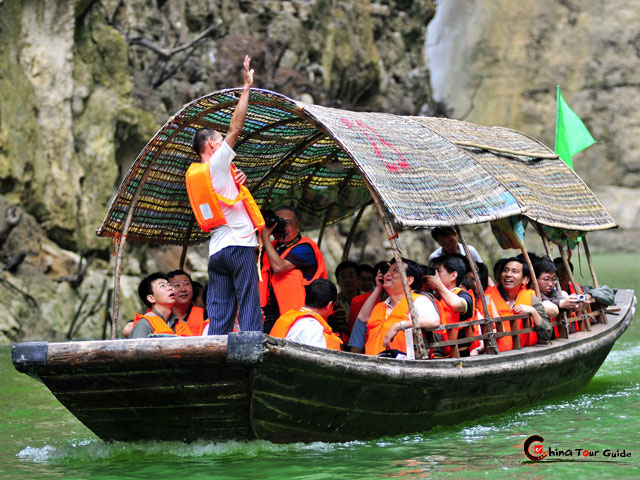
(253, 386)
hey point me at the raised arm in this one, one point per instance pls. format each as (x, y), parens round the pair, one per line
(240, 112)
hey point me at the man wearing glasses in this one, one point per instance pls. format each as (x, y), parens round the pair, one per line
(289, 263)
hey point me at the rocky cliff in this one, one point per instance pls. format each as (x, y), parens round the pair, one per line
(86, 83)
(497, 62)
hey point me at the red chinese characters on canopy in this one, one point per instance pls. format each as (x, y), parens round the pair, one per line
(374, 137)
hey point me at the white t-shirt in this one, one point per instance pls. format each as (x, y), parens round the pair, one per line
(473, 251)
(308, 331)
(239, 228)
(424, 307)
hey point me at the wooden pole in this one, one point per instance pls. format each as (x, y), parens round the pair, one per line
(567, 267)
(547, 248)
(118, 270)
(490, 344)
(533, 273)
(420, 349)
(324, 225)
(352, 232)
(591, 269)
(183, 256)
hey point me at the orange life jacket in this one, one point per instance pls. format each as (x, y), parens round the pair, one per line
(379, 324)
(205, 202)
(524, 297)
(449, 316)
(195, 320)
(160, 326)
(286, 321)
(288, 287)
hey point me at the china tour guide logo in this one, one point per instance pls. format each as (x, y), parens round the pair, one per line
(535, 451)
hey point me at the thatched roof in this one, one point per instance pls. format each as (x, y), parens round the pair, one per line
(319, 159)
(553, 193)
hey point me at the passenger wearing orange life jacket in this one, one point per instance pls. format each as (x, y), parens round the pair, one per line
(157, 293)
(233, 275)
(511, 297)
(184, 308)
(289, 263)
(552, 299)
(387, 321)
(308, 325)
(458, 304)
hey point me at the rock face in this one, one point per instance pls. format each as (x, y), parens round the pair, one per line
(498, 63)
(85, 84)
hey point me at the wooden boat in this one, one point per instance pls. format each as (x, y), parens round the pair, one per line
(419, 172)
(251, 386)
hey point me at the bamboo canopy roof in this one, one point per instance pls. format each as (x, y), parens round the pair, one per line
(552, 192)
(324, 160)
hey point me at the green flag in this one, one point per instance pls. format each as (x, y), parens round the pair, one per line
(571, 134)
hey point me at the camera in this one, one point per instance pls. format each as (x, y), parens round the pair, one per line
(428, 270)
(582, 298)
(271, 219)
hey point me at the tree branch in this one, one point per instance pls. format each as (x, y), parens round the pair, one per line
(166, 53)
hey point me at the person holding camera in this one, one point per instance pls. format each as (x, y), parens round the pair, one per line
(458, 304)
(233, 275)
(289, 263)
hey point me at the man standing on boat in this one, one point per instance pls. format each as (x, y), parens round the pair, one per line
(290, 263)
(233, 275)
(308, 325)
(447, 238)
(157, 293)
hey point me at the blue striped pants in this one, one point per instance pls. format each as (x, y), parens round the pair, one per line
(233, 281)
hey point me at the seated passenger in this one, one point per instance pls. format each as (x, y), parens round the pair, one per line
(157, 293)
(289, 263)
(458, 304)
(358, 330)
(308, 325)
(184, 307)
(603, 294)
(511, 297)
(386, 321)
(347, 280)
(545, 272)
(366, 278)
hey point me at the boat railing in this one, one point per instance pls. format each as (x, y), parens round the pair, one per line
(496, 329)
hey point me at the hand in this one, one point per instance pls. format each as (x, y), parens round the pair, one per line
(570, 303)
(379, 280)
(391, 334)
(338, 320)
(433, 282)
(241, 177)
(266, 232)
(518, 309)
(248, 73)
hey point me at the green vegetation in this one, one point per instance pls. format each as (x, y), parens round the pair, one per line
(617, 270)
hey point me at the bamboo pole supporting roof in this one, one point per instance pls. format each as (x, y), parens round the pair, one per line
(314, 158)
(552, 192)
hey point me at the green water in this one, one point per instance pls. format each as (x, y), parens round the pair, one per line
(39, 439)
